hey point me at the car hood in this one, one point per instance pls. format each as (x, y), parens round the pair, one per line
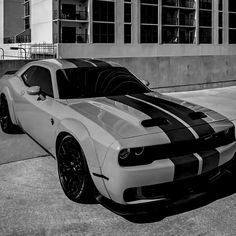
(135, 115)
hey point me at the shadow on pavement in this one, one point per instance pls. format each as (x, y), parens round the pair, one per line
(224, 187)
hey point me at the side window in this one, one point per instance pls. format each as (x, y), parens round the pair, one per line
(39, 76)
(28, 74)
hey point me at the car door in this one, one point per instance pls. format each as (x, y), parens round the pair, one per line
(35, 112)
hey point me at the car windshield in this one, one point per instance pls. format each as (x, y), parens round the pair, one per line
(97, 82)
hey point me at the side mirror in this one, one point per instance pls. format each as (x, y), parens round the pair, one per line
(34, 90)
(145, 82)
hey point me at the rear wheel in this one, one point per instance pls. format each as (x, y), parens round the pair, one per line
(73, 171)
(5, 118)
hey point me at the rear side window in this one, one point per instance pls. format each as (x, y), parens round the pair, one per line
(39, 76)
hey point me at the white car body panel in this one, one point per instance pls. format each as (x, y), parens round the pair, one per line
(104, 126)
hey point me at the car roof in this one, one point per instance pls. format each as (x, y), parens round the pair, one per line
(57, 64)
(79, 63)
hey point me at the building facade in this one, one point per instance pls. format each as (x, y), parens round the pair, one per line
(123, 28)
(175, 44)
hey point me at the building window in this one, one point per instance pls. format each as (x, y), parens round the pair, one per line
(178, 21)
(127, 21)
(149, 21)
(27, 14)
(103, 21)
(220, 39)
(27, 22)
(232, 22)
(205, 21)
(27, 8)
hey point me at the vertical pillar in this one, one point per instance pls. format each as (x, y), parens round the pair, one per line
(59, 33)
(197, 21)
(225, 21)
(1, 21)
(136, 21)
(119, 22)
(159, 21)
(90, 15)
(215, 18)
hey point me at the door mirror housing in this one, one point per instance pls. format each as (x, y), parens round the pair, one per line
(34, 90)
(145, 82)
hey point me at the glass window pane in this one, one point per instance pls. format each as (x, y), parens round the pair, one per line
(149, 34)
(103, 33)
(205, 18)
(103, 11)
(127, 33)
(205, 35)
(127, 13)
(232, 36)
(232, 5)
(232, 20)
(149, 14)
(220, 36)
(205, 4)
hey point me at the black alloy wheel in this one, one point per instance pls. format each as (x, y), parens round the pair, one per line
(73, 171)
(5, 118)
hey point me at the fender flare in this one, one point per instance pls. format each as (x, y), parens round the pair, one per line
(81, 134)
(10, 103)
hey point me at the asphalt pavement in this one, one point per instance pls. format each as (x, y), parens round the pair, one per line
(33, 203)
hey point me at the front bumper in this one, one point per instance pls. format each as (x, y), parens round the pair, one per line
(182, 192)
(150, 179)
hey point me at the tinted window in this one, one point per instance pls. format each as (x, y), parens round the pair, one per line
(39, 76)
(97, 82)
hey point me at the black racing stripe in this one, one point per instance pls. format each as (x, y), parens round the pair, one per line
(210, 159)
(80, 62)
(200, 126)
(185, 166)
(175, 131)
(100, 63)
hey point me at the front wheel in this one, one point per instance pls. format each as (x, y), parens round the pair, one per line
(5, 118)
(73, 171)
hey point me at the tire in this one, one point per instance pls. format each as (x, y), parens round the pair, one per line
(5, 118)
(73, 171)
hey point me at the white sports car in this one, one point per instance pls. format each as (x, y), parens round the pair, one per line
(113, 137)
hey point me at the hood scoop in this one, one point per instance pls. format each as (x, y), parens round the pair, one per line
(197, 115)
(155, 122)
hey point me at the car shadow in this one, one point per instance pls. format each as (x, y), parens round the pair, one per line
(222, 188)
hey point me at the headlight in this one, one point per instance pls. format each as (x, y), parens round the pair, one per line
(124, 153)
(131, 156)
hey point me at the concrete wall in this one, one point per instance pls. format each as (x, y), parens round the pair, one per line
(142, 50)
(171, 73)
(183, 73)
(41, 21)
(10, 65)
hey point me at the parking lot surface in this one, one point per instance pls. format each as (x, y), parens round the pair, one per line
(33, 203)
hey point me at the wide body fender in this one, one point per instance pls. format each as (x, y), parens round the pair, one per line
(81, 134)
(10, 101)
